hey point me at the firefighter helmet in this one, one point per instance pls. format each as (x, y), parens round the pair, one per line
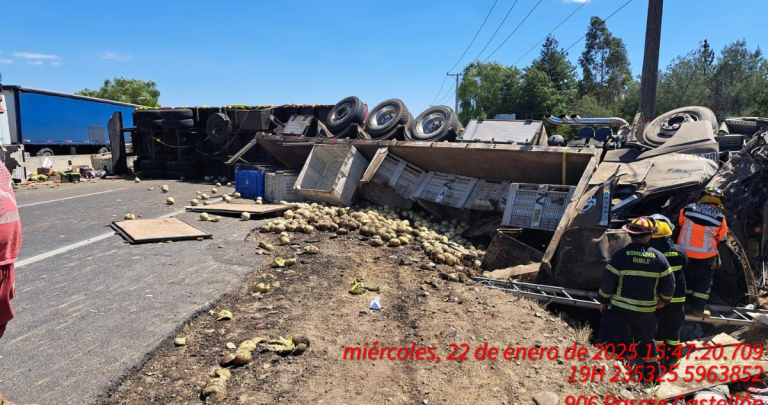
(714, 192)
(640, 226)
(661, 218)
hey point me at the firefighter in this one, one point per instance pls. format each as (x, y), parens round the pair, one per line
(637, 280)
(670, 317)
(703, 226)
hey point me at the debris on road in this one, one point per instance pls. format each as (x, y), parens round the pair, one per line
(224, 315)
(180, 341)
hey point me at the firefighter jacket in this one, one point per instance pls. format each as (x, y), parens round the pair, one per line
(702, 226)
(675, 255)
(636, 277)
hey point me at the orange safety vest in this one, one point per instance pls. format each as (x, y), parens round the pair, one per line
(702, 226)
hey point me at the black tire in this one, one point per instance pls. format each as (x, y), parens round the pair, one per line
(153, 174)
(103, 150)
(152, 164)
(45, 152)
(345, 113)
(218, 127)
(187, 174)
(173, 114)
(665, 126)
(386, 116)
(436, 124)
(178, 124)
(149, 124)
(181, 166)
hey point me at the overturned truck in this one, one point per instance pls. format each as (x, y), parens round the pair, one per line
(542, 199)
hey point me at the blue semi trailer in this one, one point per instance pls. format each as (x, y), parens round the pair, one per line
(48, 123)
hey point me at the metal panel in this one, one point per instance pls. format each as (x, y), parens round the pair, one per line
(502, 131)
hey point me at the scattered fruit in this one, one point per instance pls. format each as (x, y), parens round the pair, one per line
(262, 288)
(129, 217)
(180, 341)
(194, 202)
(204, 216)
(137, 180)
(170, 201)
(245, 216)
(236, 195)
(224, 315)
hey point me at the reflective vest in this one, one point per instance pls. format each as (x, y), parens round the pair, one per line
(702, 226)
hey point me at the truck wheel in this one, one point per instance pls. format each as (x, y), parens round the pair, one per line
(386, 116)
(665, 126)
(103, 150)
(436, 124)
(163, 114)
(177, 124)
(149, 124)
(345, 113)
(153, 174)
(152, 164)
(180, 166)
(45, 152)
(187, 174)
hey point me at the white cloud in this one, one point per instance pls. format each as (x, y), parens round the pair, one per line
(55, 63)
(5, 61)
(37, 62)
(30, 55)
(114, 56)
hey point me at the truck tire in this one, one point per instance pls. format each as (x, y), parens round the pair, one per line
(181, 166)
(177, 124)
(45, 152)
(153, 174)
(345, 113)
(149, 124)
(386, 116)
(103, 150)
(436, 124)
(152, 164)
(218, 127)
(177, 114)
(665, 126)
(187, 175)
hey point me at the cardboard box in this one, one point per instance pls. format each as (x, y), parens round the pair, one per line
(45, 170)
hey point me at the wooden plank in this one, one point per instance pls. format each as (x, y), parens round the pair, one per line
(157, 230)
(237, 209)
(514, 271)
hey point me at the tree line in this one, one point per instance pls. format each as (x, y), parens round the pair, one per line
(731, 83)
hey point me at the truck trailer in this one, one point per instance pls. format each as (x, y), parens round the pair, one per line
(49, 123)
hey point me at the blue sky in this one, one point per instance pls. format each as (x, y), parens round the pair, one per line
(305, 52)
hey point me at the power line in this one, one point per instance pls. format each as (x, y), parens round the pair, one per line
(439, 91)
(608, 18)
(550, 32)
(473, 39)
(445, 97)
(497, 30)
(513, 32)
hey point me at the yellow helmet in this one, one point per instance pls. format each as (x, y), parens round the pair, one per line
(663, 230)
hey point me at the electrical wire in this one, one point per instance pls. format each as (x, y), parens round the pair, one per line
(513, 32)
(445, 97)
(550, 32)
(497, 31)
(609, 17)
(473, 39)
(439, 91)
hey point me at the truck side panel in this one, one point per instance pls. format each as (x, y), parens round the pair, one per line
(54, 120)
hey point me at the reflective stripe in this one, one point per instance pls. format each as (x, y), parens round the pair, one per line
(685, 233)
(701, 295)
(672, 342)
(701, 249)
(677, 299)
(664, 297)
(653, 360)
(707, 218)
(658, 342)
(612, 269)
(636, 302)
(689, 291)
(676, 268)
(632, 307)
(640, 273)
(602, 294)
(666, 272)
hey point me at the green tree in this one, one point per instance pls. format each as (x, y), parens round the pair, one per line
(553, 61)
(604, 65)
(487, 89)
(133, 91)
(541, 95)
(739, 82)
(687, 80)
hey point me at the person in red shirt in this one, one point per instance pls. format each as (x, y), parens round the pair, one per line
(10, 242)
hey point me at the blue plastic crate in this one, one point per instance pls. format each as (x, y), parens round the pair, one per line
(249, 182)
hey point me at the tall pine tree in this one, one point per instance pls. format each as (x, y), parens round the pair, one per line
(553, 61)
(604, 65)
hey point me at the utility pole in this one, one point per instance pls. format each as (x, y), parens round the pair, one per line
(456, 107)
(651, 59)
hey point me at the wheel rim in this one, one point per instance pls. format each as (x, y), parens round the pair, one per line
(341, 112)
(384, 116)
(432, 123)
(670, 126)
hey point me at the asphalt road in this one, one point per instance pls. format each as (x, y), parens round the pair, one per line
(89, 313)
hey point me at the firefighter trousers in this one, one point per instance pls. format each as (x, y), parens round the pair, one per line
(613, 326)
(669, 320)
(698, 279)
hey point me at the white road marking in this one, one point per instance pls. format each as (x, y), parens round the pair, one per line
(69, 198)
(56, 252)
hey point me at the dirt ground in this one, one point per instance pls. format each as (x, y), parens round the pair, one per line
(418, 307)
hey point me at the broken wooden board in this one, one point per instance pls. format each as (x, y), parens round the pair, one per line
(667, 389)
(516, 271)
(157, 230)
(236, 209)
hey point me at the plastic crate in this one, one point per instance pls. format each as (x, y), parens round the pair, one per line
(507, 251)
(278, 186)
(249, 182)
(393, 182)
(489, 195)
(332, 174)
(536, 206)
(443, 194)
